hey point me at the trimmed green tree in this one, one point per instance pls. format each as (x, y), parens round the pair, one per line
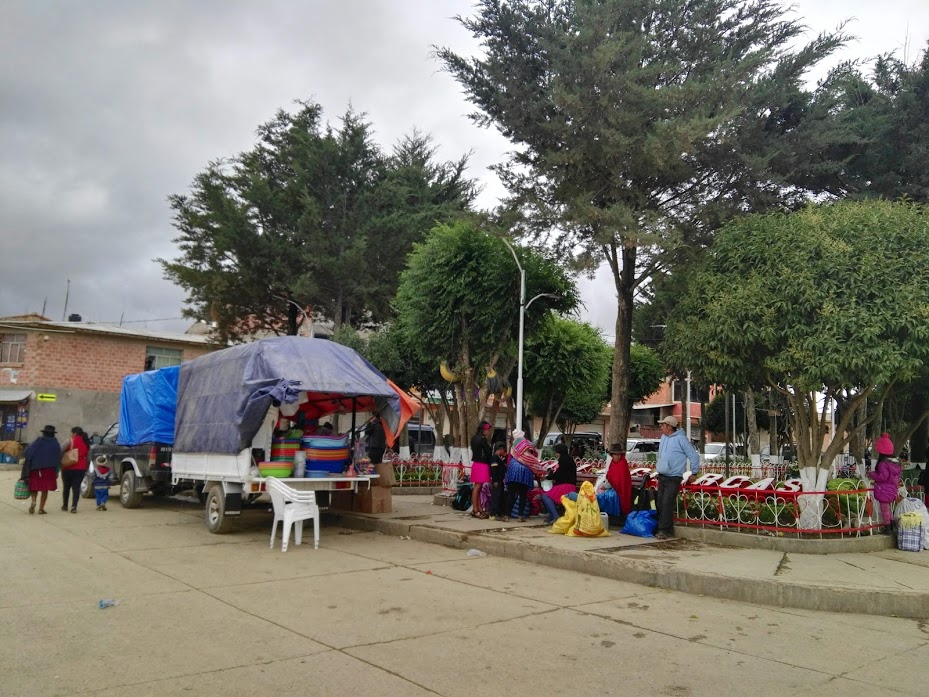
(567, 364)
(458, 304)
(831, 301)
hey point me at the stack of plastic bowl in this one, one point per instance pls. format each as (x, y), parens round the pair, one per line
(300, 464)
(275, 469)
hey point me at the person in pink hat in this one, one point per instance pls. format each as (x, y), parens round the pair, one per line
(886, 476)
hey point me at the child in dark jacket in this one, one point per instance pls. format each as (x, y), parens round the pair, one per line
(101, 485)
(498, 491)
(886, 476)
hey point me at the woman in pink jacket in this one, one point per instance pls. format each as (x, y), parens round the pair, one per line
(886, 476)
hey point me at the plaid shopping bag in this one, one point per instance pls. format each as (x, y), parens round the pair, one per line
(910, 533)
(21, 490)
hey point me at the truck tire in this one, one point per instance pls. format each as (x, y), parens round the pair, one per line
(128, 496)
(217, 521)
(87, 487)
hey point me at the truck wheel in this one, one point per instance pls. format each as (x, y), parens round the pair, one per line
(87, 487)
(128, 496)
(217, 521)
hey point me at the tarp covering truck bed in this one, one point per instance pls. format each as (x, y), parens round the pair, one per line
(147, 407)
(223, 397)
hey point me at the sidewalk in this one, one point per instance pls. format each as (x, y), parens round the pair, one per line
(888, 582)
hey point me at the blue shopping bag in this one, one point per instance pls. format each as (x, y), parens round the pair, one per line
(641, 523)
(608, 502)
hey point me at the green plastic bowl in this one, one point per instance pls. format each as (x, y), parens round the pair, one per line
(279, 472)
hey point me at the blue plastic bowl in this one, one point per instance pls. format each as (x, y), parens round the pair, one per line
(317, 474)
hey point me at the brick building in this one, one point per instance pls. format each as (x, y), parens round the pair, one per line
(70, 373)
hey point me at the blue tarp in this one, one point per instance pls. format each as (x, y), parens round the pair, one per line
(146, 407)
(223, 397)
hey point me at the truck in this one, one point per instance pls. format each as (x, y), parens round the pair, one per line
(231, 402)
(137, 448)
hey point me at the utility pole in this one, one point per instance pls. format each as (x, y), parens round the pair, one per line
(726, 436)
(687, 412)
(64, 313)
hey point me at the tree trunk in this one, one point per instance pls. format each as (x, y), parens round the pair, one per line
(440, 432)
(920, 436)
(291, 319)
(337, 313)
(811, 505)
(809, 426)
(552, 412)
(878, 424)
(619, 398)
(856, 444)
(754, 440)
(494, 410)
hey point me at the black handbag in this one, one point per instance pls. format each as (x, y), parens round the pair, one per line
(643, 498)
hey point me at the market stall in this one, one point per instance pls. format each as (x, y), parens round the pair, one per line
(240, 407)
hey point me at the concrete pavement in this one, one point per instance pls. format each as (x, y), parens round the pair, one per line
(371, 613)
(887, 582)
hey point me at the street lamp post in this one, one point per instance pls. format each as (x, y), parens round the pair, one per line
(523, 305)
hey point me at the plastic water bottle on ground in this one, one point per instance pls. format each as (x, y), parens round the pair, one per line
(476, 553)
(107, 602)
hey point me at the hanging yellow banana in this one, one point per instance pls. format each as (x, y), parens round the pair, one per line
(447, 374)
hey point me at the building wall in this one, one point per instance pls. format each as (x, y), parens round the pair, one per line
(85, 361)
(93, 411)
(85, 373)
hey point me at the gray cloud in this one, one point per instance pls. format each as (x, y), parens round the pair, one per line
(107, 107)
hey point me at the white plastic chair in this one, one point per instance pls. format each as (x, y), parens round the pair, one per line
(292, 506)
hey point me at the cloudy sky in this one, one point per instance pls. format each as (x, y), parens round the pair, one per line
(108, 106)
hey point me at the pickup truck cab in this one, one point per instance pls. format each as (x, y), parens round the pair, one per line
(137, 469)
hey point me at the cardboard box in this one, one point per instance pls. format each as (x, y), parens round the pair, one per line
(386, 476)
(341, 500)
(375, 500)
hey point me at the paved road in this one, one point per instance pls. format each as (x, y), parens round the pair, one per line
(371, 614)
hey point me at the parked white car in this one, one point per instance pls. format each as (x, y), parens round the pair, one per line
(716, 451)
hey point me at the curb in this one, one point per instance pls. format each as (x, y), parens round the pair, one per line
(658, 575)
(858, 545)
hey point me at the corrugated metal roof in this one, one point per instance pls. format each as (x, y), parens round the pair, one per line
(109, 329)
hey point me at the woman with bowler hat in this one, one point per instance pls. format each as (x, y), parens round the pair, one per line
(40, 470)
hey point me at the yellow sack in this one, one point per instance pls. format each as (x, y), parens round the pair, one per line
(910, 520)
(588, 522)
(565, 522)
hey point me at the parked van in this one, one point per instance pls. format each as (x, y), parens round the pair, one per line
(591, 441)
(422, 439)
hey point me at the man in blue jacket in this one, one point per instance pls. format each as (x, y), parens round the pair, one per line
(674, 452)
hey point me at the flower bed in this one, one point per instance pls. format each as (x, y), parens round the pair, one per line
(417, 472)
(846, 509)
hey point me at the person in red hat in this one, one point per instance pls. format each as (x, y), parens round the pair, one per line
(886, 476)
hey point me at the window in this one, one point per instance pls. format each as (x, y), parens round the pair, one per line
(679, 392)
(157, 357)
(12, 348)
(109, 438)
